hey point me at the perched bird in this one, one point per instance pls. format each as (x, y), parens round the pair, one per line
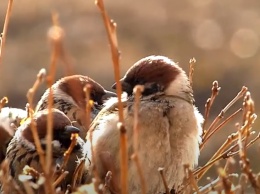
(7, 117)
(21, 151)
(69, 97)
(169, 128)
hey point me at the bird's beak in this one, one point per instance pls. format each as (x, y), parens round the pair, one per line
(108, 95)
(69, 129)
(126, 87)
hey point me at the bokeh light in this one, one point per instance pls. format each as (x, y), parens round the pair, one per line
(208, 35)
(244, 43)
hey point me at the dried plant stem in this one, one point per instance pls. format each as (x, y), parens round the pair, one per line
(55, 36)
(215, 185)
(60, 178)
(77, 175)
(219, 127)
(73, 143)
(31, 92)
(214, 92)
(30, 96)
(3, 102)
(191, 179)
(4, 33)
(137, 90)
(89, 103)
(224, 110)
(225, 181)
(217, 155)
(124, 158)
(112, 37)
(167, 191)
(191, 72)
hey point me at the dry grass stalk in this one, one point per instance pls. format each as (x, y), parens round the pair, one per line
(225, 150)
(191, 178)
(248, 120)
(191, 72)
(240, 94)
(30, 96)
(3, 102)
(216, 185)
(213, 131)
(73, 143)
(137, 91)
(4, 33)
(78, 174)
(31, 92)
(225, 181)
(112, 37)
(214, 92)
(62, 175)
(160, 170)
(89, 104)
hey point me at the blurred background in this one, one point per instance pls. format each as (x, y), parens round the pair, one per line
(223, 37)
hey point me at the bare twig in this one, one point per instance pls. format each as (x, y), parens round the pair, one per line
(214, 92)
(167, 191)
(191, 178)
(124, 158)
(4, 33)
(89, 104)
(138, 90)
(73, 138)
(3, 102)
(55, 35)
(30, 96)
(31, 92)
(219, 127)
(112, 37)
(78, 173)
(240, 94)
(225, 181)
(60, 178)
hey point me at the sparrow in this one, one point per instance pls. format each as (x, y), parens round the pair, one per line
(169, 128)
(69, 97)
(9, 116)
(21, 151)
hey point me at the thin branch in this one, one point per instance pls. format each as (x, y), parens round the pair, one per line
(112, 37)
(240, 94)
(124, 158)
(3, 102)
(214, 92)
(4, 33)
(167, 191)
(55, 35)
(137, 90)
(219, 127)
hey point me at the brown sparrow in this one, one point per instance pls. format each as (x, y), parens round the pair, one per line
(169, 127)
(69, 97)
(21, 151)
(7, 117)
